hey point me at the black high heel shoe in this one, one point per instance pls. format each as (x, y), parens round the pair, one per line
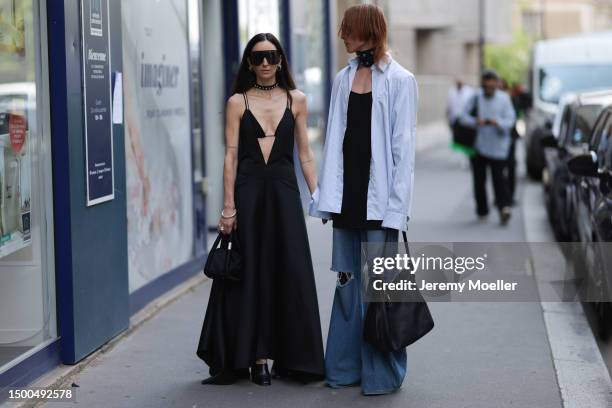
(222, 378)
(260, 374)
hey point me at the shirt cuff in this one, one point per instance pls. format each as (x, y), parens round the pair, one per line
(314, 204)
(395, 220)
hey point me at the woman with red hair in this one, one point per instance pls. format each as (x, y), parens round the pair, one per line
(365, 187)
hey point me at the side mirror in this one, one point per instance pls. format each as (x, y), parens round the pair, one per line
(549, 141)
(548, 125)
(583, 165)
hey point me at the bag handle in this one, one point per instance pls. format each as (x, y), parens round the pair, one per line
(217, 243)
(221, 238)
(405, 242)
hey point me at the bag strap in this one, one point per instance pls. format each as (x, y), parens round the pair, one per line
(405, 242)
(475, 102)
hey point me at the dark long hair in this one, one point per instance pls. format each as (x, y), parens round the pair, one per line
(245, 79)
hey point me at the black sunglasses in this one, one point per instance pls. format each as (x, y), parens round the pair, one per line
(272, 56)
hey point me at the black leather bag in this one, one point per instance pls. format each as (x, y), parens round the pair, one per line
(465, 135)
(391, 326)
(224, 260)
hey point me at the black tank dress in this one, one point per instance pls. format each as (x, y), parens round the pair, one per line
(273, 312)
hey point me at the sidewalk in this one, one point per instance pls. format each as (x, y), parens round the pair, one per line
(479, 354)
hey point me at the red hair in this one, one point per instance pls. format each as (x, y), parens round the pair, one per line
(366, 22)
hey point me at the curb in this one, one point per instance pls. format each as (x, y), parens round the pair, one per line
(582, 375)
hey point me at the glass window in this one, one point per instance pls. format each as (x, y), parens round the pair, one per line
(607, 165)
(598, 130)
(585, 119)
(565, 123)
(258, 16)
(196, 102)
(308, 63)
(27, 287)
(158, 139)
(558, 80)
(604, 143)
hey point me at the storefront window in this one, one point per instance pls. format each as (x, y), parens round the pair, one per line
(308, 63)
(258, 16)
(158, 137)
(27, 288)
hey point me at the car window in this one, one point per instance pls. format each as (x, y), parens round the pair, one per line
(608, 159)
(606, 147)
(604, 143)
(560, 79)
(565, 124)
(598, 129)
(584, 120)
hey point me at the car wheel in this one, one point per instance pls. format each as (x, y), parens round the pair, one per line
(535, 155)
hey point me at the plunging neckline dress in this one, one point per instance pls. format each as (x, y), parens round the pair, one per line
(273, 312)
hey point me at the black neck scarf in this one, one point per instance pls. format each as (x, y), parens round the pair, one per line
(366, 58)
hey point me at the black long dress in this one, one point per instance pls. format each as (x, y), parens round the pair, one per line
(273, 312)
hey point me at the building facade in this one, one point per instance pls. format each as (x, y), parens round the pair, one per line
(439, 40)
(548, 19)
(111, 129)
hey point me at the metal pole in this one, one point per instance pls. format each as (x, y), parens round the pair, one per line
(481, 33)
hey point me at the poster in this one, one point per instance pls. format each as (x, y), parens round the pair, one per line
(15, 182)
(17, 121)
(156, 89)
(97, 100)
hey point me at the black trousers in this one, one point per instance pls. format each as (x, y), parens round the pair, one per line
(500, 183)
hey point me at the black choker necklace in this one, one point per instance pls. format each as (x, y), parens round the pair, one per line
(366, 58)
(266, 87)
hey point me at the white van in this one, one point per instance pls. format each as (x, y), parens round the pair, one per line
(572, 64)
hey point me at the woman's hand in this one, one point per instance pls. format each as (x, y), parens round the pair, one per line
(228, 225)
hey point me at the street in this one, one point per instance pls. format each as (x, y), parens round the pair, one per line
(478, 355)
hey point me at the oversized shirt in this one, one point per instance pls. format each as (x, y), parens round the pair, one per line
(394, 122)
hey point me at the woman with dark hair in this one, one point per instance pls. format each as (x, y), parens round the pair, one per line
(273, 312)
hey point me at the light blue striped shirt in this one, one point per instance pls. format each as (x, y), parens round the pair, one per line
(394, 122)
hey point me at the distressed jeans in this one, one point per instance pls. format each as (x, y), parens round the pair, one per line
(349, 360)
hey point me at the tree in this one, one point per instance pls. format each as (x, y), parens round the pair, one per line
(511, 61)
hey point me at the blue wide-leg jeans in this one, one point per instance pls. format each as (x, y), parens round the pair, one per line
(349, 360)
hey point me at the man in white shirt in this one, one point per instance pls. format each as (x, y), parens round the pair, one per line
(458, 96)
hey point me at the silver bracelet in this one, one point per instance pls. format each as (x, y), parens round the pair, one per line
(228, 216)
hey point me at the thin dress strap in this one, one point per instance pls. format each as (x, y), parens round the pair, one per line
(288, 100)
(246, 100)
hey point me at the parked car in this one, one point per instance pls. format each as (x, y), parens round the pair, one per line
(576, 118)
(593, 201)
(571, 64)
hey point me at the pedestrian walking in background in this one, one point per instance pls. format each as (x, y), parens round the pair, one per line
(459, 96)
(366, 189)
(494, 122)
(272, 312)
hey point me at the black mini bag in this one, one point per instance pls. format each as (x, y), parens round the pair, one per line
(224, 261)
